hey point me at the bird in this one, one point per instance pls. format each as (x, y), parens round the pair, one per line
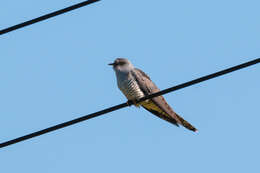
(135, 84)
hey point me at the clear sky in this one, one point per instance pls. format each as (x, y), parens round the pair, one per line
(56, 70)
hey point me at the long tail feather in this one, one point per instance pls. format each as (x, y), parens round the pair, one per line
(186, 124)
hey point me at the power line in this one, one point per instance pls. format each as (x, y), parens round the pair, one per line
(201, 79)
(47, 16)
(129, 103)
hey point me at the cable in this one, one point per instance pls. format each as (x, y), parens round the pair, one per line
(47, 16)
(201, 79)
(129, 103)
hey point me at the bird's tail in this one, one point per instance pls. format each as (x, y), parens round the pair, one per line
(186, 124)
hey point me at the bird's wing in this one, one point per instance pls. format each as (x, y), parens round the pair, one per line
(158, 105)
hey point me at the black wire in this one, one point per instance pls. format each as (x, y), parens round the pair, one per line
(47, 16)
(201, 79)
(86, 117)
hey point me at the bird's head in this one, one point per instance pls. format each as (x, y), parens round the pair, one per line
(122, 64)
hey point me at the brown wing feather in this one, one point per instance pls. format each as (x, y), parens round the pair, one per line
(151, 107)
(158, 105)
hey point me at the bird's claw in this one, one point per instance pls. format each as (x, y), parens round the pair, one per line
(129, 102)
(132, 102)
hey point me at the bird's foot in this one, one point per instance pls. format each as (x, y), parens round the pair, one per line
(134, 102)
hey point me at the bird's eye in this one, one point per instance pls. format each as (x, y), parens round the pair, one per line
(121, 63)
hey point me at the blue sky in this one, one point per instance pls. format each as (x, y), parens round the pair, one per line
(56, 70)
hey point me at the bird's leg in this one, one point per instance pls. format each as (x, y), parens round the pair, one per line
(129, 102)
(134, 102)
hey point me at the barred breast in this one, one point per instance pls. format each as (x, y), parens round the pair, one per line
(130, 88)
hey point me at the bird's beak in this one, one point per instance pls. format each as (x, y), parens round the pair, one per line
(111, 64)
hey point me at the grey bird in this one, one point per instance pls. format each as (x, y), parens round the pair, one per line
(135, 84)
